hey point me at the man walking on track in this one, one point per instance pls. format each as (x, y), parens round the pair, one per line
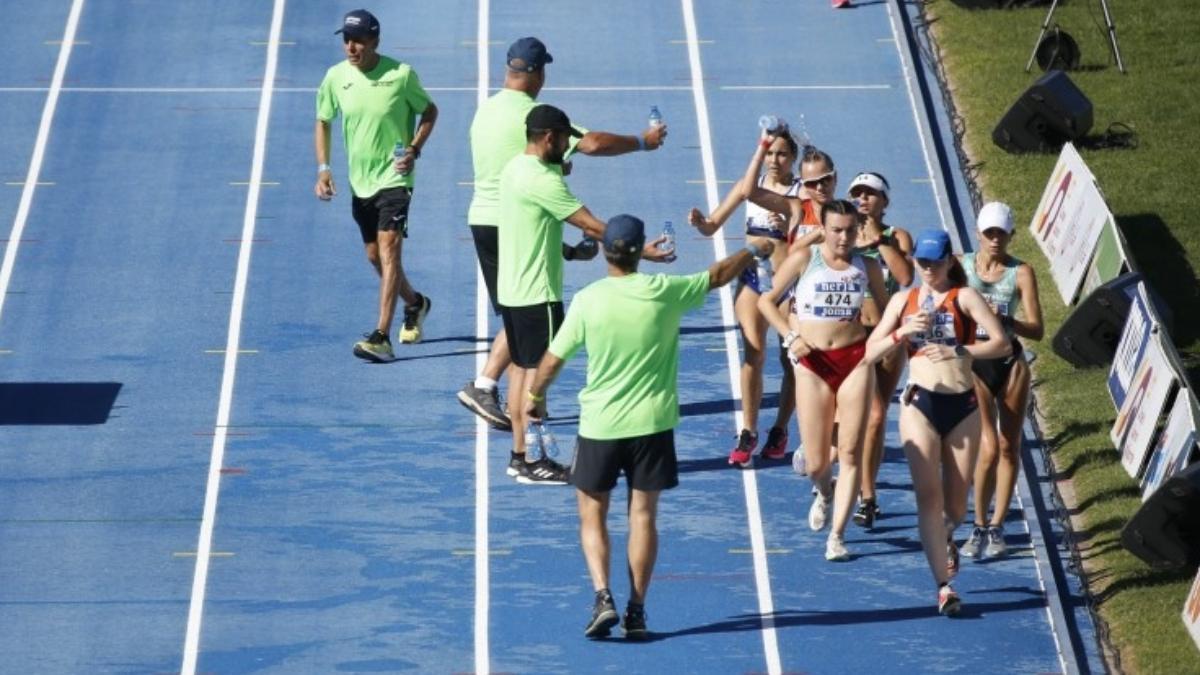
(498, 135)
(629, 325)
(379, 100)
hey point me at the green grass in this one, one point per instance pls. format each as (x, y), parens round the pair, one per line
(1153, 193)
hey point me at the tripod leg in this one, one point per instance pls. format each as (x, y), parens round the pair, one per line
(1112, 36)
(1045, 27)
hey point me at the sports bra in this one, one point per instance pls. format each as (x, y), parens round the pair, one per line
(810, 221)
(758, 221)
(825, 294)
(889, 282)
(1002, 295)
(950, 326)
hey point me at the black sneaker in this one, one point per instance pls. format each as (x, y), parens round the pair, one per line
(866, 513)
(604, 616)
(544, 471)
(514, 464)
(414, 316)
(635, 622)
(375, 346)
(486, 404)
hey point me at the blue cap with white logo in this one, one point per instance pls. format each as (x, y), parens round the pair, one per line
(359, 24)
(624, 234)
(932, 245)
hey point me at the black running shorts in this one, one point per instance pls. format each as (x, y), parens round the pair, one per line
(386, 211)
(648, 461)
(529, 330)
(487, 249)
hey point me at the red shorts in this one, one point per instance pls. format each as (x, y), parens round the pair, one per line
(834, 365)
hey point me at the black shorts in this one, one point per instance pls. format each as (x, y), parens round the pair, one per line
(993, 373)
(648, 462)
(529, 330)
(384, 211)
(487, 249)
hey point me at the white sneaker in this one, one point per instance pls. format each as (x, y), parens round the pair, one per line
(835, 549)
(818, 513)
(798, 464)
(996, 547)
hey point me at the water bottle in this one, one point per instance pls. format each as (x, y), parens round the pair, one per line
(772, 125)
(668, 243)
(549, 444)
(399, 151)
(764, 271)
(800, 133)
(533, 437)
(656, 118)
(927, 308)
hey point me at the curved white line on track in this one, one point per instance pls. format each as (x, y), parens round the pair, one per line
(762, 579)
(191, 646)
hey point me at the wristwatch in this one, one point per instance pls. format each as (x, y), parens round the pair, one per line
(414, 151)
(960, 351)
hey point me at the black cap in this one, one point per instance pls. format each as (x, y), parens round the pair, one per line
(359, 24)
(548, 118)
(624, 234)
(528, 54)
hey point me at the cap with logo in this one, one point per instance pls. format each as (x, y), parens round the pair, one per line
(359, 24)
(527, 55)
(932, 245)
(994, 216)
(624, 234)
(548, 118)
(870, 180)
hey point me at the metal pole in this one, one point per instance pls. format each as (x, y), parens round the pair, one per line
(1112, 36)
(1045, 27)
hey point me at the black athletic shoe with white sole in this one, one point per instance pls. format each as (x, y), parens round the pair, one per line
(604, 616)
(544, 471)
(486, 404)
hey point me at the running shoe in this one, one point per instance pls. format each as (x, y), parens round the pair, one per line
(776, 446)
(486, 404)
(514, 464)
(948, 602)
(973, 546)
(745, 448)
(544, 471)
(835, 549)
(952, 560)
(995, 542)
(604, 616)
(818, 513)
(414, 316)
(375, 346)
(839, 4)
(799, 464)
(866, 513)
(635, 622)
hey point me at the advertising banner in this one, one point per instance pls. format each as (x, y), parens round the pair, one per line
(1068, 221)
(1144, 402)
(1174, 447)
(1132, 347)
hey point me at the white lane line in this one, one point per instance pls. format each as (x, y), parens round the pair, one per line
(191, 646)
(804, 87)
(39, 151)
(762, 577)
(482, 484)
(920, 122)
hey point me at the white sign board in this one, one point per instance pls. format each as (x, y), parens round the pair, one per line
(1144, 401)
(1170, 454)
(1068, 221)
(1191, 611)
(1132, 348)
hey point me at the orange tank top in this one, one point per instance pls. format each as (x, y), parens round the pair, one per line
(950, 325)
(808, 223)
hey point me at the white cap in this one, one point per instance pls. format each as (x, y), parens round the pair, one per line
(994, 215)
(872, 180)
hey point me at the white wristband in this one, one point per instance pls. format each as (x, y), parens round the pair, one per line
(324, 167)
(790, 338)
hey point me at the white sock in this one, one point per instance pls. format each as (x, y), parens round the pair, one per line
(483, 382)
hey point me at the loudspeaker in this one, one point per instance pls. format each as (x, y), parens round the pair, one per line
(1165, 531)
(1049, 113)
(1090, 333)
(1057, 51)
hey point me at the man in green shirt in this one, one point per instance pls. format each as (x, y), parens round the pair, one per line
(379, 100)
(629, 325)
(498, 135)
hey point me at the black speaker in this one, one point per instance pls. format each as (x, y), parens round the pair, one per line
(1165, 531)
(1057, 51)
(1050, 113)
(1090, 333)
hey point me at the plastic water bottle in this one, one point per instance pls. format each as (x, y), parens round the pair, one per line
(398, 152)
(549, 443)
(772, 124)
(800, 133)
(668, 243)
(764, 271)
(656, 118)
(927, 308)
(533, 437)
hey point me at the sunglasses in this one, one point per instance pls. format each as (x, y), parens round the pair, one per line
(814, 182)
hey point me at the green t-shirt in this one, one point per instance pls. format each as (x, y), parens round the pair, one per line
(379, 109)
(534, 200)
(630, 328)
(498, 135)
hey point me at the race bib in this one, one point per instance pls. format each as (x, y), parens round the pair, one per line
(837, 300)
(942, 332)
(999, 308)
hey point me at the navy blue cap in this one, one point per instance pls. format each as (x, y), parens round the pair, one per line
(359, 24)
(624, 234)
(932, 245)
(527, 55)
